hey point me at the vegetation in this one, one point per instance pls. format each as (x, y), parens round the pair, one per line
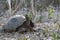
(55, 36)
(51, 11)
(45, 12)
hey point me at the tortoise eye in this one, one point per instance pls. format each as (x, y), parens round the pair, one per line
(13, 20)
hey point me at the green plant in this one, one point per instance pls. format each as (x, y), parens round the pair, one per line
(51, 11)
(40, 19)
(55, 36)
(22, 38)
(30, 15)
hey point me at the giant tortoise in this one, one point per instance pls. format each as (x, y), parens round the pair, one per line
(17, 23)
